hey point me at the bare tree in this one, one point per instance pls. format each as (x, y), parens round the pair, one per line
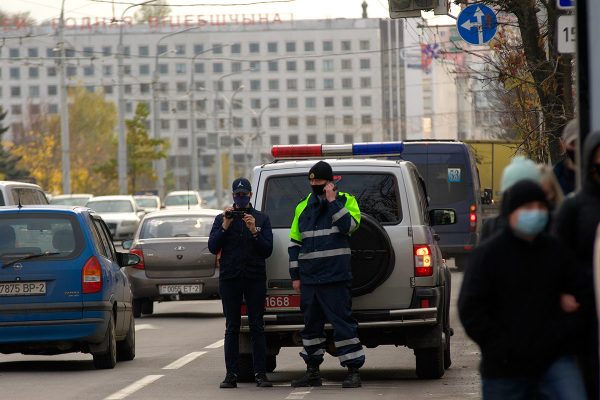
(158, 9)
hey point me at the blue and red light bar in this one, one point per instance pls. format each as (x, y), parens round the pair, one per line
(337, 150)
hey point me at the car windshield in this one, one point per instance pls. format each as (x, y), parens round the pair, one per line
(29, 234)
(70, 201)
(111, 206)
(376, 195)
(177, 226)
(147, 203)
(181, 200)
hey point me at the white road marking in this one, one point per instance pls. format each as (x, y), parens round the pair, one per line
(134, 387)
(216, 345)
(144, 326)
(297, 395)
(184, 360)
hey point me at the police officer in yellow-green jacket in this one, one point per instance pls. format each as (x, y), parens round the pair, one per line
(320, 268)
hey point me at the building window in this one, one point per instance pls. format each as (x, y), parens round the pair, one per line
(108, 89)
(32, 52)
(365, 63)
(106, 51)
(254, 84)
(327, 45)
(348, 120)
(34, 91)
(346, 83)
(329, 121)
(328, 83)
(309, 65)
(180, 49)
(365, 119)
(272, 47)
(347, 101)
(15, 73)
(235, 85)
(144, 69)
(236, 48)
(199, 68)
(346, 45)
(236, 66)
(310, 84)
(365, 82)
(347, 65)
(292, 103)
(13, 53)
(290, 47)
(273, 84)
(52, 90)
(52, 108)
(348, 138)
(328, 101)
(293, 139)
(34, 72)
(217, 68)
(217, 48)
(51, 71)
(292, 122)
(365, 45)
(255, 66)
(163, 69)
(255, 104)
(367, 137)
(273, 66)
(327, 65)
(50, 53)
(274, 104)
(164, 124)
(144, 51)
(365, 101)
(311, 138)
(182, 124)
(71, 71)
(329, 138)
(275, 140)
(198, 49)
(311, 120)
(164, 106)
(254, 47)
(127, 70)
(274, 122)
(182, 105)
(309, 46)
(310, 102)
(290, 65)
(144, 88)
(180, 68)
(292, 84)
(201, 124)
(107, 70)
(15, 109)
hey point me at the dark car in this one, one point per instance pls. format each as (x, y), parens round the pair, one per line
(62, 287)
(449, 170)
(176, 263)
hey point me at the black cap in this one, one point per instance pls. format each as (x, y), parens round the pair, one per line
(520, 193)
(241, 185)
(321, 170)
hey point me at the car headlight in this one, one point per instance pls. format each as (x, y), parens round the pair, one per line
(128, 223)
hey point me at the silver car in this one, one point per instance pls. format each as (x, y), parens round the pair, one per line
(120, 212)
(176, 263)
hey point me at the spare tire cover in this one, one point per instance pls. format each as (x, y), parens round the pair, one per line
(373, 256)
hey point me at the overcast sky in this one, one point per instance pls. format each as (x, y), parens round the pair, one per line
(302, 9)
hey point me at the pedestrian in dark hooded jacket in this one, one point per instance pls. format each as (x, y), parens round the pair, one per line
(514, 302)
(575, 226)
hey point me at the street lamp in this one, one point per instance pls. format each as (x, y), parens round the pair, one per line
(64, 109)
(256, 138)
(230, 126)
(122, 147)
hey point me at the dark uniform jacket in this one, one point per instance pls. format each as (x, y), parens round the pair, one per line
(509, 304)
(242, 254)
(319, 251)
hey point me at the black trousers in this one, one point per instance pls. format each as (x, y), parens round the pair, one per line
(254, 292)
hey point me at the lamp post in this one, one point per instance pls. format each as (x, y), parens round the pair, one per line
(122, 146)
(64, 109)
(230, 133)
(256, 138)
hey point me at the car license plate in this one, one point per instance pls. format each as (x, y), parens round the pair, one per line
(286, 302)
(22, 288)
(180, 289)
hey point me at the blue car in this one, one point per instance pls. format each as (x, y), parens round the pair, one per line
(62, 288)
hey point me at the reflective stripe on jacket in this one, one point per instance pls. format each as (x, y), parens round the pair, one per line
(319, 250)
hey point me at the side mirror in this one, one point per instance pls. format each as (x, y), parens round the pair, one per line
(128, 259)
(442, 216)
(487, 196)
(126, 245)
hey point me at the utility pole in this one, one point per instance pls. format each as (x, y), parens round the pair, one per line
(230, 133)
(218, 167)
(64, 108)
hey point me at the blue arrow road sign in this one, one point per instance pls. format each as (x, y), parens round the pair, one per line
(477, 24)
(565, 4)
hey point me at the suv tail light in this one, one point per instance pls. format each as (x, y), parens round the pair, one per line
(423, 265)
(473, 218)
(138, 252)
(91, 276)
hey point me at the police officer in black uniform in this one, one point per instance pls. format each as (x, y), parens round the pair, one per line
(243, 239)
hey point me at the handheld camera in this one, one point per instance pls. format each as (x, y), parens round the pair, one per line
(236, 214)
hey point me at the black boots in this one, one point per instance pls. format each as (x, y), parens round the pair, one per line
(262, 380)
(352, 379)
(229, 382)
(312, 377)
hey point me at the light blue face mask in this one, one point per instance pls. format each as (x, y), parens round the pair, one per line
(531, 222)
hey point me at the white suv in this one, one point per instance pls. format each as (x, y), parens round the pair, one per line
(14, 193)
(401, 285)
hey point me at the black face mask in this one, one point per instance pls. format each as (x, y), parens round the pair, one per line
(318, 189)
(571, 154)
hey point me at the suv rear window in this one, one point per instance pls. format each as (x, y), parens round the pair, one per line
(37, 233)
(29, 196)
(376, 194)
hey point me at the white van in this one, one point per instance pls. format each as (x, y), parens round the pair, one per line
(14, 193)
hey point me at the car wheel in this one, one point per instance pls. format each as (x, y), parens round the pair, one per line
(126, 347)
(271, 362)
(147, 307)
(430, 362)
(108, 358)
(245, 368)
(137, 308)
